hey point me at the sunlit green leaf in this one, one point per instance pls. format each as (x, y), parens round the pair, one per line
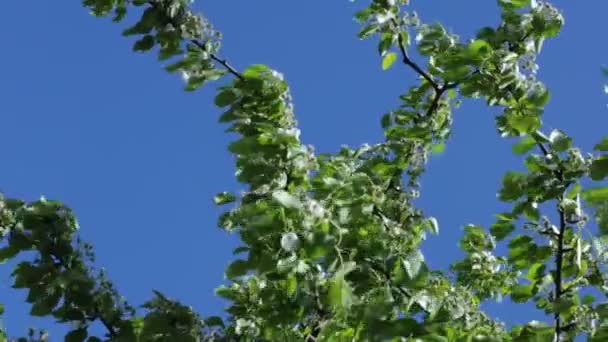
(595, 195)
(524, 145)
(388, 60)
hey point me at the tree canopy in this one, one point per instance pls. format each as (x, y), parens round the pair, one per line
(330, 243)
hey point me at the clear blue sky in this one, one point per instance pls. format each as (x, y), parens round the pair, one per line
(107, 131)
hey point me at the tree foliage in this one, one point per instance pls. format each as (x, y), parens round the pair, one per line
(331, 242)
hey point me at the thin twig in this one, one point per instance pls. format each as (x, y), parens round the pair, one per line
(97, 313)
(222, 61)
(201, 45)
(408, 61)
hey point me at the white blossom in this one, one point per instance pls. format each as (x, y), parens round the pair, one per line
(290, 242)
(292, 131)
(243, 325)
(277, 74)
(383, 18)
(316, 209)
(185, 75)
(62, 213)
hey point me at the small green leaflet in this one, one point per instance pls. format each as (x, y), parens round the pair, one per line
(389, 60)
(224, 198)
(602, 145)
(438, 148)
(599, 168)
(574, 191)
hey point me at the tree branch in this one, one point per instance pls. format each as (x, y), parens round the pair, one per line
(559, 256)
(97, 313)
(559, 260)
(201, 45)
(408, 61)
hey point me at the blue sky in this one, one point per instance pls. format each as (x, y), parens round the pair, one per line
(110, 133)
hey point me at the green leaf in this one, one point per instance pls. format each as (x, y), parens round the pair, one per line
(536, 272)
(513, 4)
(385, 43)
(224, 198)
(367, 31)
(1, 309)
(522, 293)
(524, 145)
(433, 225)
(412, 263)
(438, 148)
(237, 268)
(599, 335)
(363, 15)
(560, 141)
(456, 74)
(286, 199)
(292, 284)
(214, 321)
(563, 305)
(520, 241)
(387, 121)
(599, 168)
(574, 191)
(602, 146)
(225, 98)
(255, 71)
(523, 124)
(8, 253)
(45, 305)
(78, 335)
(340, 293)
(500, 230)
(195, 82)
(513, 186)
(144, 44)
(595, 195)
(602, 310)
(389, 60)
(479, 48)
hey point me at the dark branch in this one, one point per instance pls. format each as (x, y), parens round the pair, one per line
(107, 325)
(97, 314)
(408, 61)
(201, 45)
(221, 61)
(559, 256)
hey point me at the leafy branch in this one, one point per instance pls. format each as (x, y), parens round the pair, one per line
(199, 43)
